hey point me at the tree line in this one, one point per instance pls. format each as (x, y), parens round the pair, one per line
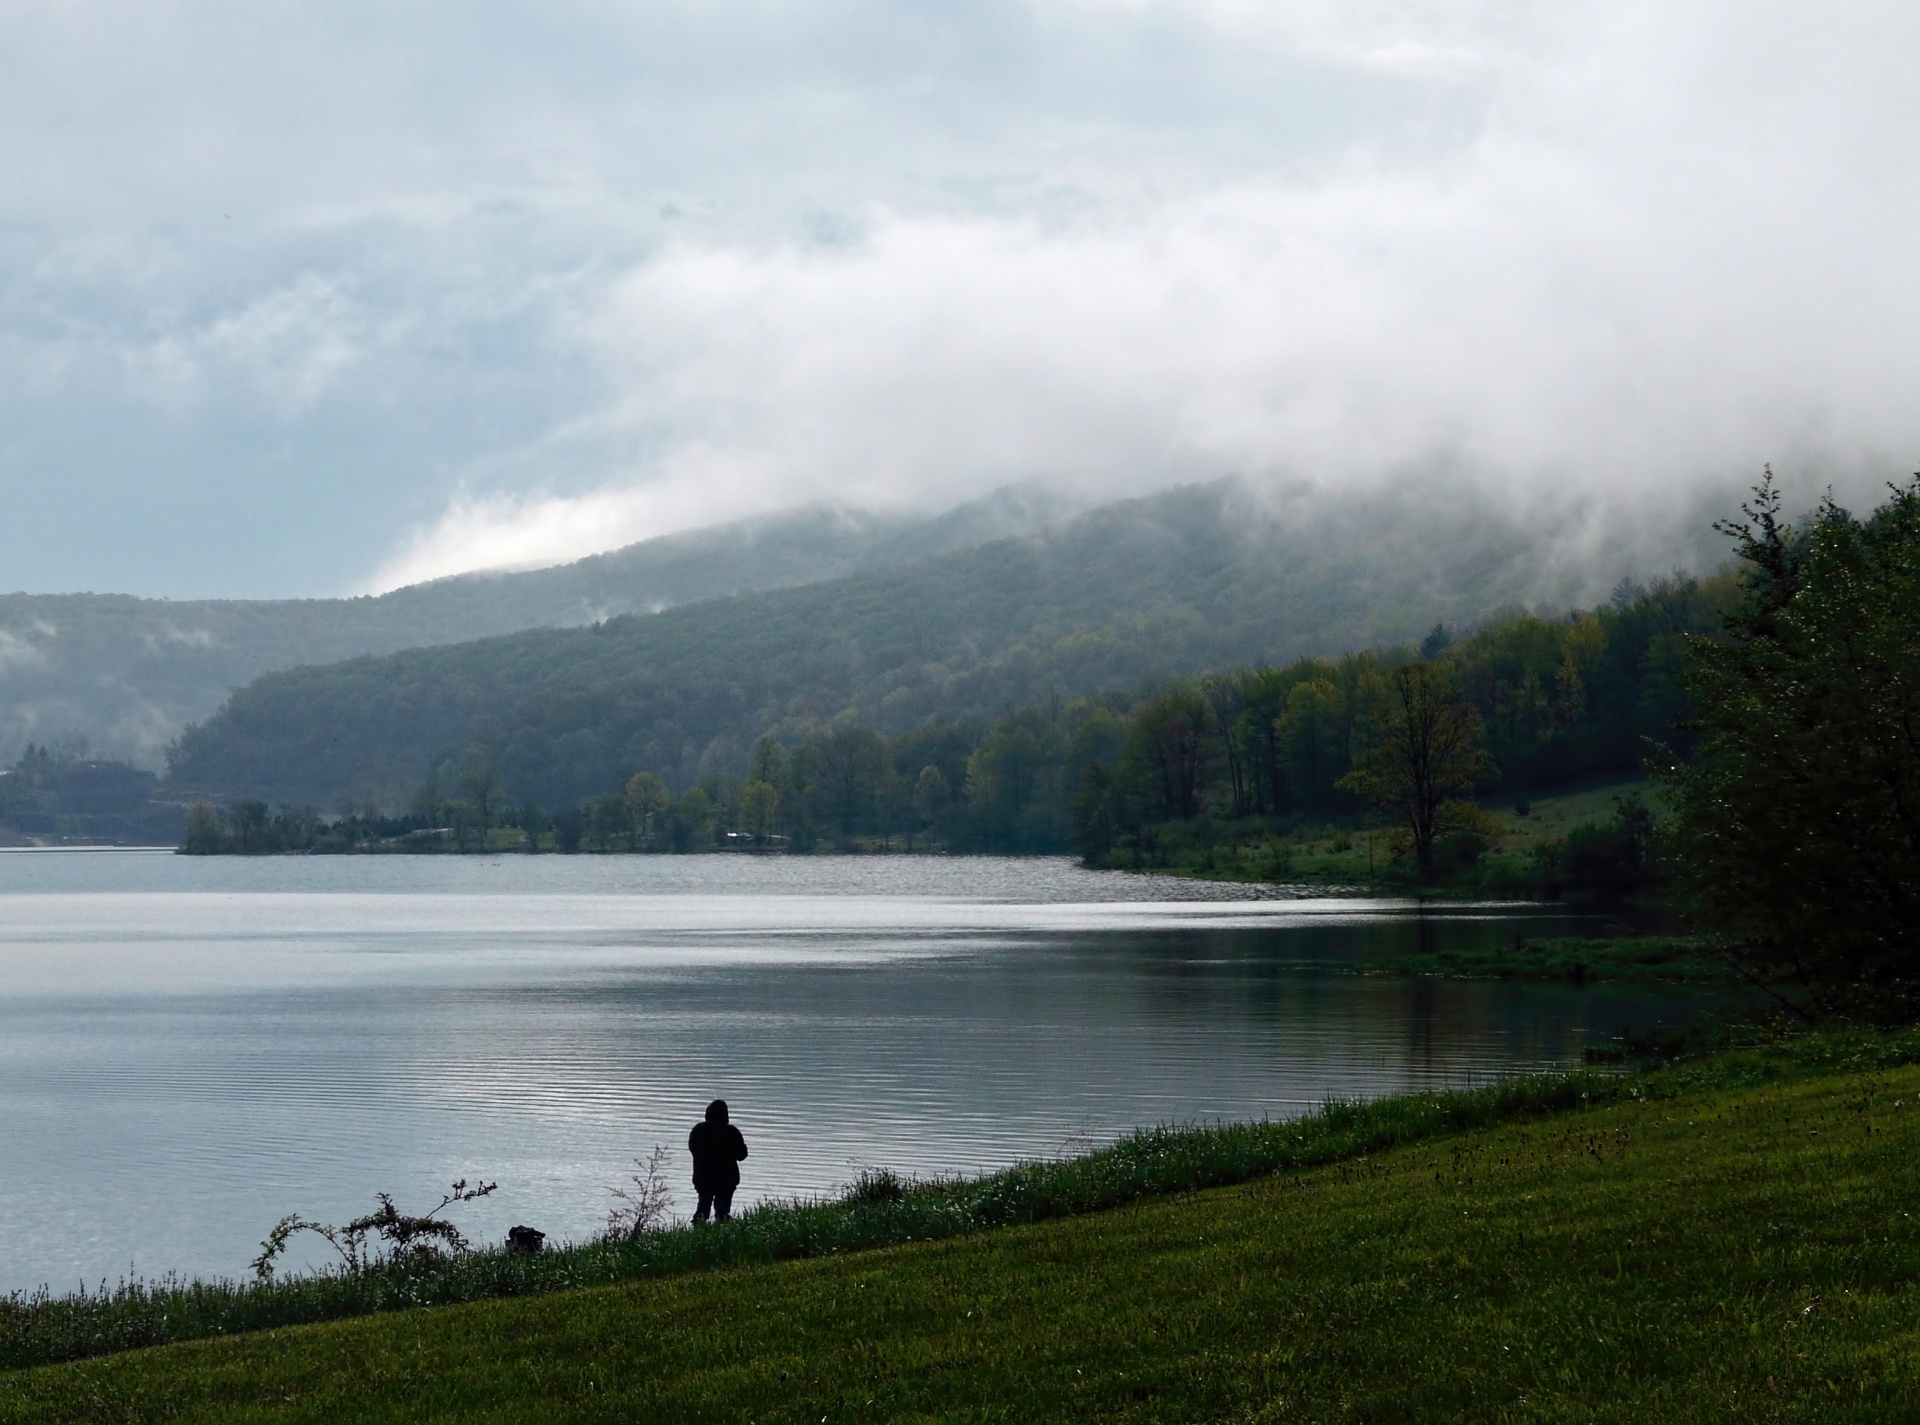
(1523, 701)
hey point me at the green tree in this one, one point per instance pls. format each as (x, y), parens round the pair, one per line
(203, 830)
(802, 796)
(1011, 783)
(465, 822)
(609, 819)
(931, 794)
(1426, 754)
(426, 802)
(848, 761)
(1620, 857)
(247, 824)
(482, 787)
(646, 802)
(1797, 818)
(759, 810)
(1227, 694)
(1099, 739)
(1171, 753)
(533, 824)
(1265, 700)
(1308, 735)
(892, 805)
(1099, 812)
(768, 763)
(692, 821)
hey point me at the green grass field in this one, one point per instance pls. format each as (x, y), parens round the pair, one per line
(1352, 855)
(1735, 1240)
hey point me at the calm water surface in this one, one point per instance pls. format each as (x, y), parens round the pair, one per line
(191, 1048)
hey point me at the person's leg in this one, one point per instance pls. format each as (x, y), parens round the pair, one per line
(706, 1206)
(723, 1204)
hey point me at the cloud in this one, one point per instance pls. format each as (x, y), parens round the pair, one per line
(536, 530)
(294, 343)
(1425, 39)
(169, 637)
(290, 347)
(1677, 247)
(17, 652)
(291, 295)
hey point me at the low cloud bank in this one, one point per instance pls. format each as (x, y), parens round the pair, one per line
(1676, 247)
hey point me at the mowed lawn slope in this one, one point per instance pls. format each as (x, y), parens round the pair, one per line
(1743, 1254)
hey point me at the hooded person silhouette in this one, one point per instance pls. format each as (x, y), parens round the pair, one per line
(717, 1149)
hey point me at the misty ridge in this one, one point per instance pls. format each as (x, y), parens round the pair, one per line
(1196, 579)
(116, 676)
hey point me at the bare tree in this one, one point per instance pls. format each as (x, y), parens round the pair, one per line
(403, 1239)
(642, 1206)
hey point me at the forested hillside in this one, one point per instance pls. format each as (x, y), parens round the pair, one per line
(122, 675)
(1197, 579)
(1250, 759)
(51, 798)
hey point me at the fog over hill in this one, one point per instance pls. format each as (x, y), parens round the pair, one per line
(1196, 578)
(123, 675)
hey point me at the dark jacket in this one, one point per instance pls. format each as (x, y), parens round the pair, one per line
(717, 1149)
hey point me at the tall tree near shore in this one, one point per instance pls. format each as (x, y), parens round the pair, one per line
(1798, 815)
(690, 822)
(1265, 700)
(482, 786)
(1426, 755)
(1308, 737)
(647, 800)
(759, 810)
(849, 760)
(1171, 752)
(1012, 783)
(1227, 693)
(203, 829)
(931, 793)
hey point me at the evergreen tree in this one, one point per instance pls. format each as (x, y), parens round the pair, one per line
(1798, 816)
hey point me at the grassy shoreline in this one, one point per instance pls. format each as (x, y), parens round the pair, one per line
(1352, 853)
(38, 1329)
(1717, 1238)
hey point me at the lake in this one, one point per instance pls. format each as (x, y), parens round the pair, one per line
(191, 1048)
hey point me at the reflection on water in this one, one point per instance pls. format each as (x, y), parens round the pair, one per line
(190, 1048)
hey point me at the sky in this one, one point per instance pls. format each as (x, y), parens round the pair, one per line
(322, 299)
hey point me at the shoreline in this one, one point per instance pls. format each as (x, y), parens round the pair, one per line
(877, 1210)
(1747, 1082)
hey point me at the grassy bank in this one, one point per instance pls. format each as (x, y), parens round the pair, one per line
(877, 1211)
(1722, 1239)
(1351, 853)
